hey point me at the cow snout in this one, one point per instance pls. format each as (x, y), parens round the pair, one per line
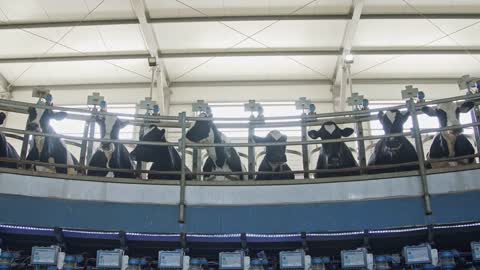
(33, 126)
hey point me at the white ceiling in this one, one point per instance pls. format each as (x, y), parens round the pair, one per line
(267, 35)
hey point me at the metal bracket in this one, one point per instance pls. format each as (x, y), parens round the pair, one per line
(95, 99)
(304, 241)
(366, 239)
(122, 237)
(431, 235)
(409, 92)
(355, 100)
(147, 104)
(303, 104)
(243, 239)
(58, 232)
(40, 92)
(183, 240)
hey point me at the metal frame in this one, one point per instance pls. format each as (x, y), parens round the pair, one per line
(182, 122)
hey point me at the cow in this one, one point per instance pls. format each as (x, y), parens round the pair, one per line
(220, 158)
(48, 149)
(334, 155)
(111, 155)
(164, 157)
(393, 150)
(275, 159)
(6, 149)
(450, 143)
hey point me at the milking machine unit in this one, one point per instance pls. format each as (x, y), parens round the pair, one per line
(198, 264)
(320, 263)
(47, 258)
(233, 260)
(112, 259)
(357, 259)
(294, 260)
(7, 259)
(72, 262)
(475, 248)
(136, 263)
(387, 262)
(420, 257)
(173, 260)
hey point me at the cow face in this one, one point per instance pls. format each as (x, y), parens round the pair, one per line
(39, 119)
(110, 127)
(392, 121)
(2, 117)
(150, 153)
(201, 132)
(274, 153)
(448, 114)
(330, 130)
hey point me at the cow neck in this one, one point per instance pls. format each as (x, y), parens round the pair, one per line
(450, 139)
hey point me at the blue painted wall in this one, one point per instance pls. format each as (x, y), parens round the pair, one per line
(337, 216)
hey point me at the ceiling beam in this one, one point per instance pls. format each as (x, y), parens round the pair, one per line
(53, 24)
(146, 85)
(241, 53)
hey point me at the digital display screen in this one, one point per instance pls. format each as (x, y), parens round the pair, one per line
(292, 259)
(109, 259)
(354, 259)
(170, 259)
(44, 255)
(231, 260)
(417, 255)
(476, 251)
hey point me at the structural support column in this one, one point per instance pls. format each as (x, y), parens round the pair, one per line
(340, 78)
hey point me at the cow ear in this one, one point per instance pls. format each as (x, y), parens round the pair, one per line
(313, 134)
(346, 132)
(2, 117)
(429, 111)
(466, 106)
(380, 115)
(258, 139)
(59, 115)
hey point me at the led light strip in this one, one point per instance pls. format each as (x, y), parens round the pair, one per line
(399, 230)
(153, 235)
(26, 228)
(457, 226)
(336, 234)
(91, 232)
(273, 235)
(214, 235)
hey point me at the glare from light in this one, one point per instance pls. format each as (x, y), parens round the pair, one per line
(349, 58)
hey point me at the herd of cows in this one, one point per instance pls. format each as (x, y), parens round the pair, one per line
(225, 159)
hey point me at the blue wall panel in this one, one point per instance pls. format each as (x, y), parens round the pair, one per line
(338, 216)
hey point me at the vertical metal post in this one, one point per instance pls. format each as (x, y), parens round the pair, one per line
(305, 160)
(23, 152)
(83, 148)
(91, 135)
(140, 164)
(361, 147)
(251, 151)
(181, 141)
(420, 155)
(196, 162)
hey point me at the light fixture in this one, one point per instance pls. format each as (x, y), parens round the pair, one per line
(349, 58)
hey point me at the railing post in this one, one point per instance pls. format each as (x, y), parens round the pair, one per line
(83, 148)
(420, 155)
(361, 147)
(23, 152)
(475, 113)
(140, 164)
(91, 135)
(196, 162)
(305, 160)
(181, 141)
(251, 151)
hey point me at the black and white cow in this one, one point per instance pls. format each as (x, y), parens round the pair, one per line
(393, 150)
(164, 157)
(275, 159)
(334, 155)
(220, 158)
(111, 155)
(450, 143)
(48, 149)
(6, 149)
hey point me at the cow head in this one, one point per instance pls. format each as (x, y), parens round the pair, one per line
(2, 117)
(150, 153)
(392, 121)
(274, 153)
(39, 119)
(329, 131)
(448, 113)
(202, 131)
(110, 126)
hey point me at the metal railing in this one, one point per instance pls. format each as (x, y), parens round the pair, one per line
(181, 123)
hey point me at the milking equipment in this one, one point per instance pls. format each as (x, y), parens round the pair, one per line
(173, 260)
(475, 248)
(112, 259)
(136, 263)
(320, 263)
(197, 263)
(420, 257)
(47, 258)
(235, 260)
(71, 262)
(446, 259)
(294, 260)
(357, 259)
(7, 259)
